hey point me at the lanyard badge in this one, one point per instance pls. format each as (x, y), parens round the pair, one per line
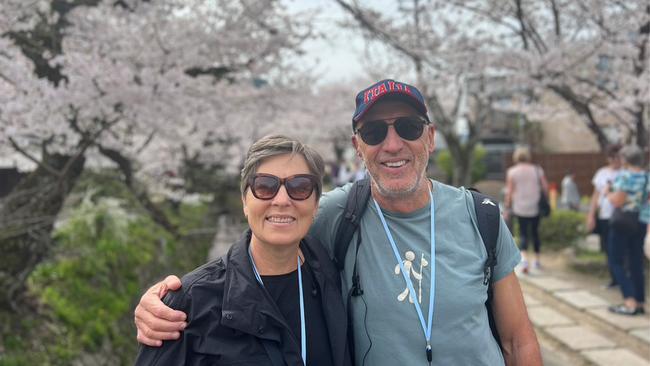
(426, 326)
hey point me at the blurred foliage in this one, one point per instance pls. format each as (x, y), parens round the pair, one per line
(200, 177)
(446, 164)
(107, 252)
(561, 229)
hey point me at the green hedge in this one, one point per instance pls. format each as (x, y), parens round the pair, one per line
(445, 162)
(90, 286)
(560, 230)
(105, 255)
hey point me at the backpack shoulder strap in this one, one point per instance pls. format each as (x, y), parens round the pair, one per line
(355, 206)
(487, 215)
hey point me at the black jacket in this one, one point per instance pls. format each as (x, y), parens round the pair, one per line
(229, 314)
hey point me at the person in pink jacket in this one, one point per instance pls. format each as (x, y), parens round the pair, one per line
(524, 183)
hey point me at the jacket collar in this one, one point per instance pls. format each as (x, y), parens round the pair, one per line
(328, 279)
(248, 308)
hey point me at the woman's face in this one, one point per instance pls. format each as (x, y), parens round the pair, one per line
(280, 220)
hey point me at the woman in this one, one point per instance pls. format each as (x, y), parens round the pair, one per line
(524, 184)
(629, 193)
(275, 297)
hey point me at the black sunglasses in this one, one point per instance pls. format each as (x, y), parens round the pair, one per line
(299, 187)
(408, 128)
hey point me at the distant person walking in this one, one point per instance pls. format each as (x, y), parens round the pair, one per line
(524, 184)
(629, 195)
(570, 197)
(600, 209)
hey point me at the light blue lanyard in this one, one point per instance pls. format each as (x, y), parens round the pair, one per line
(303, 336)
(426, 327)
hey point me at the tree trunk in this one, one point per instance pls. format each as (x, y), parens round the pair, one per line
(27, 218)
(139, 192)
(462, 157)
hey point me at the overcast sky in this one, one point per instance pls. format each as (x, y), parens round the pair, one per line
(338, 58)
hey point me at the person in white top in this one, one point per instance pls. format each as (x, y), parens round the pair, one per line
(600, 209)
(524, 184)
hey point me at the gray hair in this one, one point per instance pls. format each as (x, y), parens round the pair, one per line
(633, 155)
(276, 145)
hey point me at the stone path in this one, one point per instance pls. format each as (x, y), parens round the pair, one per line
(576, 316)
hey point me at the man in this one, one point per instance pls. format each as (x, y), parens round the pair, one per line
(600, 209)
(420, 260)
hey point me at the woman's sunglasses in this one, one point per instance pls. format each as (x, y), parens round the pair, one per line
(408, 128)
(299, 187)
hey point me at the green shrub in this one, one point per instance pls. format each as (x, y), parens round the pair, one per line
(91, 283)
(105, 256)
(106, 251)
(446, 164)
(562, 229)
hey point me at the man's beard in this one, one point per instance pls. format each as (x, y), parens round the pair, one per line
(396, 193)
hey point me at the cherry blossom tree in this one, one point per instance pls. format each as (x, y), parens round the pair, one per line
(593, 54)
(418, 39)
(142, 84)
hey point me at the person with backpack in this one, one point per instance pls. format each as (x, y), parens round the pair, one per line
(423, 271)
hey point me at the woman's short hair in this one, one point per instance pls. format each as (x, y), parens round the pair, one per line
(520, 154)
(275, 145)
(633, 155)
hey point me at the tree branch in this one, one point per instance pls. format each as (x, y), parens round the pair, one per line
(126, 167)
(365, 23)
(29, 156)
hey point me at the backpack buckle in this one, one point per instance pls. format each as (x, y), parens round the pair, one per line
(487, 275)
(356, 286)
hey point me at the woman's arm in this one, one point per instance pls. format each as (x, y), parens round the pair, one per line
(617, 198)
(615, 195)
(542, 178)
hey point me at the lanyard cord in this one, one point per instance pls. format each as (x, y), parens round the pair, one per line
(303, 336)
(426, 327)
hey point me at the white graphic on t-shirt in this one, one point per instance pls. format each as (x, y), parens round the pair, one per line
(408, 267)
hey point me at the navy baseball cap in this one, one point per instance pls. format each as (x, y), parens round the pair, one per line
(388, 89)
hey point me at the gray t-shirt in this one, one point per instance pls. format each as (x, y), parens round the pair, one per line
(384, 316)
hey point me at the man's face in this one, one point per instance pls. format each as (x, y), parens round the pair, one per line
(397, 166)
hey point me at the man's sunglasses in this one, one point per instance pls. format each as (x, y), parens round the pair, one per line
(408, 128)
(299, 187)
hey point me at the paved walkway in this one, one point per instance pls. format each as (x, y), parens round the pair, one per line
(569, 312)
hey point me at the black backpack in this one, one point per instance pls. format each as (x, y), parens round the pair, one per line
(487, 214)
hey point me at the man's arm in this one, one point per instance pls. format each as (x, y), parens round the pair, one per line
(156, 321)
(518, 339)
(178, 352)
